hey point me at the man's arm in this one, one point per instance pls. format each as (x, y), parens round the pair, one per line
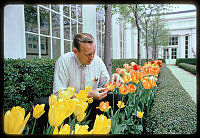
(61, 76)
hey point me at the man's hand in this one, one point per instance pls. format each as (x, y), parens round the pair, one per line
(98, 93)
(117, 78)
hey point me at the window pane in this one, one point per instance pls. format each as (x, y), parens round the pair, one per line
(44, 21)
(80, 27)
(55, 7)
(46, 5)
(66, 10)
(55, 24)
(30, 13)
(66, 46)
(73, 11)
(66, 28)
(45, 47)
(74, 28)
(79, 12)
(56, 48)
(32, 49)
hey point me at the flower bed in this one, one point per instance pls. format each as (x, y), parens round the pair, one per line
(139, 90)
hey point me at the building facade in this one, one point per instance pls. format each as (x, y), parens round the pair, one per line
(48, 30)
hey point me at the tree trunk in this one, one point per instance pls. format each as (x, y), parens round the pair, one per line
(139, 36)
(147, 51)
(108, 39)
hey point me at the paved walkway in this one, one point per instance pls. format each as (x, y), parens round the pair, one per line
(186, 79)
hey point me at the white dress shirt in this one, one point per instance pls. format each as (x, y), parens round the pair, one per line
(69, 72)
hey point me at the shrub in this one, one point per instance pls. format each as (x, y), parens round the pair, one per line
(173, 110)
(26, 80)
(188, 67)
(192, 61)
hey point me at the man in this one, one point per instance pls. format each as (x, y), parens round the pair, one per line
(80, 67)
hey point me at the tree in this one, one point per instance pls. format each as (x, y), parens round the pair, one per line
(131, 13)
(108, 39)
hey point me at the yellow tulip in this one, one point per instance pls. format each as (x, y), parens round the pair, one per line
(80, 106)
(38, 111)
(81, 129)
(63, 129)
(59, 111)
(14, 122)
(81, 117)
(88, 88)
(90, 100)
(82, 95)
(66, 94)
(52, 99)
(102, 125)
(120, 104)
(140, 114)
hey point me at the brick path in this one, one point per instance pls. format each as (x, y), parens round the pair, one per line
(186, 79)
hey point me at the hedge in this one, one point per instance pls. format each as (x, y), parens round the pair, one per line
(188, 67)
(173, 110)
(192, 61)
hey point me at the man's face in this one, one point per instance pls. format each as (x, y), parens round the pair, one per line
(86, 54)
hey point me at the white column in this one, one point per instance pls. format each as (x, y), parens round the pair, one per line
(134, 41)
(89, 20)
(14, 32)
(128, 42)
(181, 47)
(115, 37)
(61, 30)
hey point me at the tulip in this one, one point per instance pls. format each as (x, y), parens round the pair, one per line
(110, 86)
(52, 99)
(60, 110)
(81, 116)
(82, 95)
(104, 106)
(102, 125)
(127, 77)
(120, 104)
(140, 114)
(123, 89)
(81, 129)
(131, 88)
(88, 88)
(38, 111)
(14, 122)
(90, 100)
(63, 129)
(80, 106)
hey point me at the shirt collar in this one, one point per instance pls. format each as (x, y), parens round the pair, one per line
(78, 62)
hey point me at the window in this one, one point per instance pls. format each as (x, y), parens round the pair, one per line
(186, 45)
(166, 54)
(100, 30)
(173, 53)
(122, 40)
(173, 40)
(43, 29)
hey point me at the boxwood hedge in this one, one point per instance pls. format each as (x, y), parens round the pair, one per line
(173, 110)
(192, 61)
(189, 67)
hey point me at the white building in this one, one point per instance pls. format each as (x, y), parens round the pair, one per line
(48, 30)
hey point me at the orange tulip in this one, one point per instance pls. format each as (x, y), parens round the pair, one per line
(126, 78)
(104, 106)
(123, 89)
(131, 88)
(110, 86)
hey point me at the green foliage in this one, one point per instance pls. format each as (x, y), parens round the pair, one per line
(188, 67)
(192, 61)
(26, 80)
(173, 111)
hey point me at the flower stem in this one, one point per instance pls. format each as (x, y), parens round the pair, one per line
(33, 127)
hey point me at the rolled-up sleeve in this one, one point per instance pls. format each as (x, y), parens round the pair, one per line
(61, 76)
(104, 76)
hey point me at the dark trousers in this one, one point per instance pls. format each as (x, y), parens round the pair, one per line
(42, 121)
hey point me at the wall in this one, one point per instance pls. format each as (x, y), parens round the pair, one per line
(14, 36)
